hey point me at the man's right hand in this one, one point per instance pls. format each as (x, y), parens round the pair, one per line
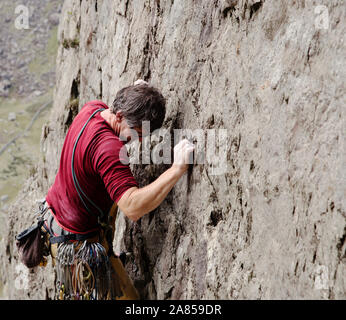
(182, 157)
(136, 202)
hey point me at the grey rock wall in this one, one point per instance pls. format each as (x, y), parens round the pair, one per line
(271, 73)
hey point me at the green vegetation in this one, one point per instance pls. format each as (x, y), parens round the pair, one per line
(70, 43)
(46, 62)
(19, 160)
(74, 104)
(49, 7)
(52, 44)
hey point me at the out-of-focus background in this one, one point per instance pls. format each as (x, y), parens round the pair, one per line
(27, 78)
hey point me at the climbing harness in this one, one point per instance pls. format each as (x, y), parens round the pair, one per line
(84, 272)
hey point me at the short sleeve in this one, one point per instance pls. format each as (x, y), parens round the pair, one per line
(110, 163)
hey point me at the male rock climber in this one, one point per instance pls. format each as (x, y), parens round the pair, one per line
(100, 180)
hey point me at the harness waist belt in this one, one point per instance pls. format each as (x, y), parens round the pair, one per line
(72, 236)
(57, 234)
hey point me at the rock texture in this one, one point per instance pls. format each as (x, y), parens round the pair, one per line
(273, 226)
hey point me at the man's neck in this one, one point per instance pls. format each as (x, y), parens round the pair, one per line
(111, 120)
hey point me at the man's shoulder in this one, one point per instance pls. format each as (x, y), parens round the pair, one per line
(95, 104)
(109, 146)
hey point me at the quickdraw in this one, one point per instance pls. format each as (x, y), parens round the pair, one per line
(83, 271)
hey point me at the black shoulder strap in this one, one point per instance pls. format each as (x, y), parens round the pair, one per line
(75, 181)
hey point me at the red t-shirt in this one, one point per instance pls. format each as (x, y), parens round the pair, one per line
(98, 168)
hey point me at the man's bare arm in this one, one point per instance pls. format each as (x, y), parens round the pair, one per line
(136, 202)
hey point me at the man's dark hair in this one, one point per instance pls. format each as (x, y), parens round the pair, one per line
(140, 103)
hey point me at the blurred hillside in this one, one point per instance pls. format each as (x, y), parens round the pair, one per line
(27, 78)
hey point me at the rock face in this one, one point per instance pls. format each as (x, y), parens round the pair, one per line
(272, 225)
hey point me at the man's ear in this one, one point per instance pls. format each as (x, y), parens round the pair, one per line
(119, 115)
